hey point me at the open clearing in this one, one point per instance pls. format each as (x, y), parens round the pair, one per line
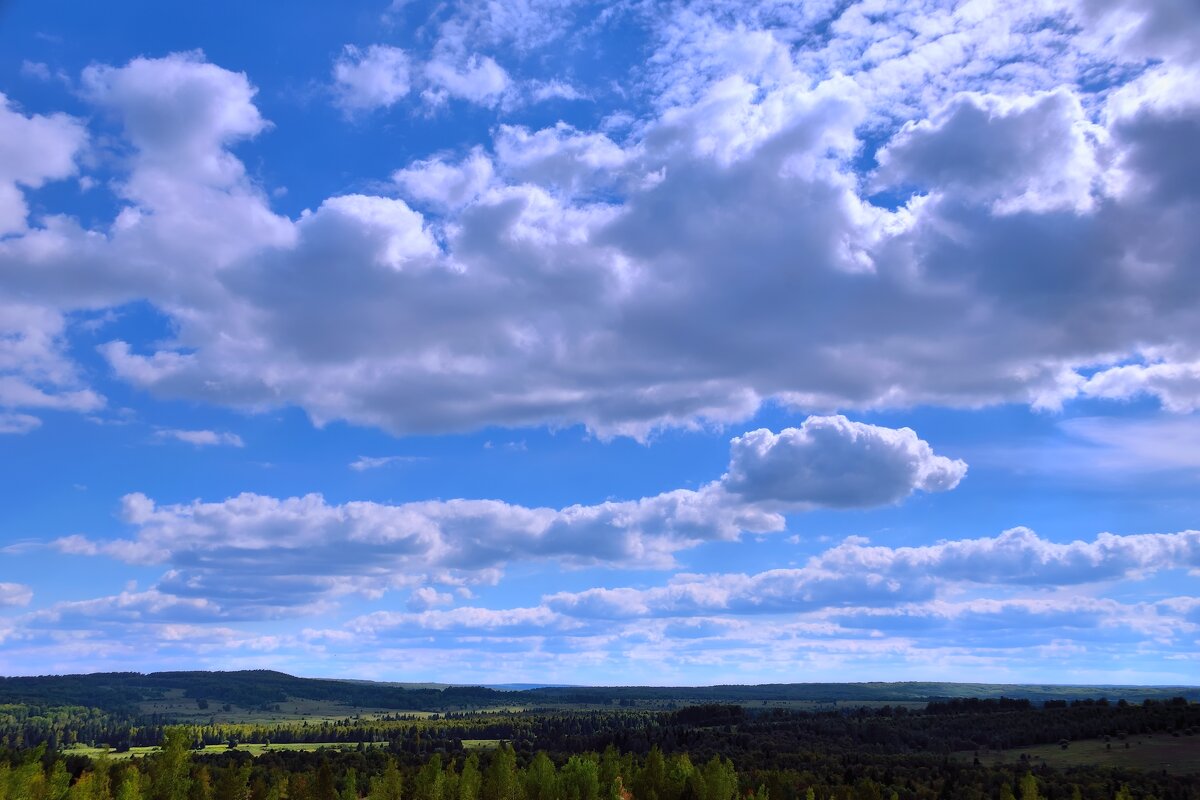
(174, 706)
(252, 749)
(1177, 755)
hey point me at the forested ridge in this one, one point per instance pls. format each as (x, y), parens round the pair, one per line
(123, 692)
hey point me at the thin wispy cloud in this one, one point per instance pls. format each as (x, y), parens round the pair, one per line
(364, 463)
(200, 438)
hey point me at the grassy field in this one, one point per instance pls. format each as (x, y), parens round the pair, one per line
(252, 749)
(481, 744)
(1161, 752)
(177, 708)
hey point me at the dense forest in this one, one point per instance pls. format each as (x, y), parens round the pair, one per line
(174, 773)
(702, 752)
(123, 692)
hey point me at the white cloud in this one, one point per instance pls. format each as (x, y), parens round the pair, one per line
(1175, 385)
(375, 78)
(15, 594)
(466, 619)
(364, 463)
(475, 78)
(201, 438)
(822, 462)
(1036, 153)
(36, 149)
(447, 186)
(426, 597)
(560, 158)
(555, 90)
(254, 553)
(36, 70)
(18, 423)
(855, 575)
(721, 256)
(1166, 29)
(181, 113)
(1119, 445)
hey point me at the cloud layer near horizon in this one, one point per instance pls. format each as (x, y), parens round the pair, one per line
(253, 555)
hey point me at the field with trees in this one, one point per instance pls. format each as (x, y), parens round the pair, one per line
(151, 738)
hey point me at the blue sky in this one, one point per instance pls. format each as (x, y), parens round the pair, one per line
(601, 343)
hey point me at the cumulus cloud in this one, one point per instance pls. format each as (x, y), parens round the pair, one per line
(201, 438)
(474, 78)
(377, 77)
(35, 370)
(821, 463)
(180, 113)
(266, 553)
(727, 252)
(36, 149)
(857, 575)
(1037, 153)
(426, 597)
(1175, 385)
(444, 185)
(696, 266)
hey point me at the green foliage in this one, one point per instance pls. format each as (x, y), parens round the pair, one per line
(500, 781)
(170, 769)
(390, 786)
(470, 780)
(579, 779)
(1029, 787)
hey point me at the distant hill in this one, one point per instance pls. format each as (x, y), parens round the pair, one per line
(260, 689)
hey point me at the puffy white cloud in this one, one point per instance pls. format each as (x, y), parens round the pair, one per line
(201, 438)
(35, 371)
(377, 77)
(1036, 153)
(255, 554)
(560, 158)
(822, 462)
(724, 254)
(447, 186)
(180, 113)
(855, 574)
(1176, 385)
(427, 597)
(475, 78)
(34, 149)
